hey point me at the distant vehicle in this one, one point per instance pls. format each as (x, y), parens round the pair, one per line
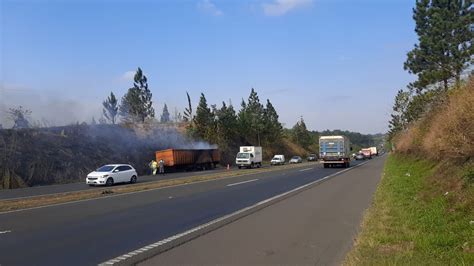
(111, 174)
(312, 157)
(296, 159)
(359, 156)
(249, 156)
(189, 159)
(278, 160)
(367, 153)
(374, 151)
(335, 150)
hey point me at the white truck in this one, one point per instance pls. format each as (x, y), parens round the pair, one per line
(373, 150)
(335, 150)
(249, 156)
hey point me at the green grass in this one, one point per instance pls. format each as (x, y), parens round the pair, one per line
(413, 222)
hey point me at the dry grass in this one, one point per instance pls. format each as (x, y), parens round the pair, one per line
(16, 204)
(447, 132)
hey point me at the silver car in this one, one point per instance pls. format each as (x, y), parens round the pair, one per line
(296, 159)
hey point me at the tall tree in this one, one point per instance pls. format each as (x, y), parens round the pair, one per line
(19, 117)
(188, 112)
(251, 118)
(399, 120)
(165, 116)
(110, 108)
(301, 134)
(203, 119)
(445, 47)
(271, 126)
(136, 103)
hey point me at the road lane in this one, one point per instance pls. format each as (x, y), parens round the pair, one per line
(86, 233)
(314, 227)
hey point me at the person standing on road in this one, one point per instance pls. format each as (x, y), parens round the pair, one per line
(153, 167)
(162, 167)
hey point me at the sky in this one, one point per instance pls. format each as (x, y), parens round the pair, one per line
(336, 63)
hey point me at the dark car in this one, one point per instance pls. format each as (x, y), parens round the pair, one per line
(312, 157)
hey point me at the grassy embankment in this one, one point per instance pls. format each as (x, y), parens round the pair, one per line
(423, 211)
(417, 219)
(16, 204)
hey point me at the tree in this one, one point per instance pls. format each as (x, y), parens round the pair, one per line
(272, 128)
(202, 122)
(188, 112)
(110, 108)
(301, 134)
(165, 116)
(445, 47)
(93, 122)
(251, 119)
(19, 117)
(136, 103)
(399, 120)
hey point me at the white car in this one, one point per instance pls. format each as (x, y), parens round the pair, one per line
(278, 159)
(112, 173)
(296, 159)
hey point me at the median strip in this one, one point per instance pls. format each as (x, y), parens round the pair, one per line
(10, 205)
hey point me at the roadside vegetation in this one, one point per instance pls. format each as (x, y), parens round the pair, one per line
(422, 214)
(423, 211)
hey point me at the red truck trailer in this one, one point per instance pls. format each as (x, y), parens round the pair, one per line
(189, 159)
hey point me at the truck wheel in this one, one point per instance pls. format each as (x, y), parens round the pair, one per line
(325, 165)
(240, 167)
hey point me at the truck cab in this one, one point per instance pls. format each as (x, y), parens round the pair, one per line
(334, 150)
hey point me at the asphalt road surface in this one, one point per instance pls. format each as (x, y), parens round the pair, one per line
(314, 227)
(93, 231)
(61, 188)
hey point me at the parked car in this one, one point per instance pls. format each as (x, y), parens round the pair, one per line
(278, 160)
(296, 159)
(359, 156)
(112, 173)
(312, 157)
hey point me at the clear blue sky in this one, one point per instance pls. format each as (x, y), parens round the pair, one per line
(336, 63)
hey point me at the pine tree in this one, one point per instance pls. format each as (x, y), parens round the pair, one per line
(110, 108)
(399, 120)
(272, 127)
(445, 47)
(203, 119)
(251, 118)
(301, 134)
(19, 116)
(188, 112)
(165, 116)
(136, 103)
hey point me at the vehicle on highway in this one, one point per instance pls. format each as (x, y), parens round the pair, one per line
(111, 174)
(189, 159)
(278, 160)
(312, 157)
(360, 156)
(296, 159)
(367, 153)
(374, 151)
(335, 150)
(249, 156)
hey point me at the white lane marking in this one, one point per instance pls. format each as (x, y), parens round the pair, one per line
(5, 232)
(133, 192)
(307, 169)
(199, 227)
(243, 182)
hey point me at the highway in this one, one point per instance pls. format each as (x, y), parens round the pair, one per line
(94, 231)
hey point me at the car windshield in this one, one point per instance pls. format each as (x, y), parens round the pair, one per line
(105, 168)
(243, 155)
(295, 157)
(276, 158)
(312, 155)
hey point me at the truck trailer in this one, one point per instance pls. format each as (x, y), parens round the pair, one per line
(249, 156)
(189, 159)
(334, 150)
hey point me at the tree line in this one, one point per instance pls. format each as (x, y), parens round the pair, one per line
(444, 53)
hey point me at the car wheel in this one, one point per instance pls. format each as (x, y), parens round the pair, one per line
(133, 180)
(110, 182)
